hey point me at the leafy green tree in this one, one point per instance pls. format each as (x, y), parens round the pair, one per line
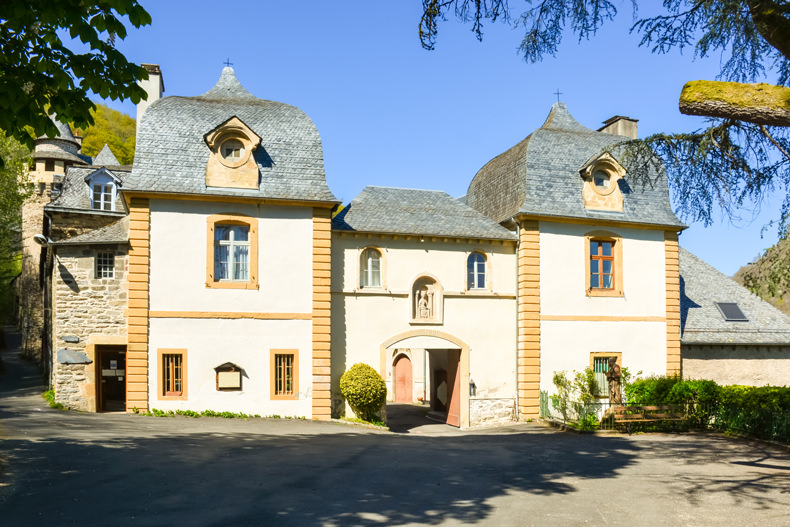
(41, 75)
(13, 191)
(113, 128)
(744, 150)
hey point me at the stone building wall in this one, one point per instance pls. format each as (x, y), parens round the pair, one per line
(67, 225)
(756, 365)
(85, 307)
(491, 411)
(30, 314)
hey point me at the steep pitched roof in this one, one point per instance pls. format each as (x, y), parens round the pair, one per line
(116, 232)
(75, 192)
(105, 157)
(171, 153)
(701, 286)
(540, 176)
(420, 212)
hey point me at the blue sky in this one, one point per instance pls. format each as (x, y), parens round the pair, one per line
(390, 113)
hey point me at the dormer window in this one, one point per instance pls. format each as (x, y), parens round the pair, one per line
(601, 179)
(102, 196)
(231, 163)
(232, 150)
(600, 190)
(102, 187)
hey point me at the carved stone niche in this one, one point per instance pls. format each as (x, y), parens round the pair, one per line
(426, 301)
(601, 190)
(231, 164)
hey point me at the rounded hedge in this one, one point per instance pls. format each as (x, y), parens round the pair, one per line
(365, 391)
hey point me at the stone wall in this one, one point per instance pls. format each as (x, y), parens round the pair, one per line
(728, 364)
(29, 288)
(491, 411)
(66, 225)
(85, 307)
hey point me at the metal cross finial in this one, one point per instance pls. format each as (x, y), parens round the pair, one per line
(228, 63)
(558, 93)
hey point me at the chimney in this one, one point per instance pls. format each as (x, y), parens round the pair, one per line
(154, 87)
(620, 125)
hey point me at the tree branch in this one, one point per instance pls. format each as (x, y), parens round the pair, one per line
(763, 104)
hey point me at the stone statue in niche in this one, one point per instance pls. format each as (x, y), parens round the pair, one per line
(425, 303)
(614, 377)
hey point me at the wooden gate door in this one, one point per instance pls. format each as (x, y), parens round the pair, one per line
(403, 385)
(454, 388)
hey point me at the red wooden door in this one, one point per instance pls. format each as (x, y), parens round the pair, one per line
(454, 388)
(403, 386)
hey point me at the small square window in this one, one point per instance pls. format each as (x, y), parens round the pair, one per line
(49, 165)
(105, 265)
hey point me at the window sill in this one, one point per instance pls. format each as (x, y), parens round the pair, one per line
(232, 285)
(605, 292)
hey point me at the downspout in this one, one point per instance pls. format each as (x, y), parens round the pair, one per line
(511, 224)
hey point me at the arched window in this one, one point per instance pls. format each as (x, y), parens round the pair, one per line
(476, 271)
(370, 268)
(232, 252)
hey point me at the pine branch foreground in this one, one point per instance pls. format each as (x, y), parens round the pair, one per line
(763, 104)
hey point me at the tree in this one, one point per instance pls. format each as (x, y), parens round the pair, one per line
(14, 189)
(113, 128)
(40, 75)
(744, 151)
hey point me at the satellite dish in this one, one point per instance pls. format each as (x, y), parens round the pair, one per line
(41, 240)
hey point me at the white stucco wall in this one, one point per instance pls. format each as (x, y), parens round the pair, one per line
(178, 259)
(486, 321)
(566, 344)
(247, 343)
(563, 275)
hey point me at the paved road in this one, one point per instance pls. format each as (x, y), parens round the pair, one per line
(67, 468)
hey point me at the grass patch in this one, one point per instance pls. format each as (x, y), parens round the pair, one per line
(49, 396)
(362, 421)
(154, 412)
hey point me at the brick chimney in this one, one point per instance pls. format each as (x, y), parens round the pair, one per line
(620, 125)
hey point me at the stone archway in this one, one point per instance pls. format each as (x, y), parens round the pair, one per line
(435, 343)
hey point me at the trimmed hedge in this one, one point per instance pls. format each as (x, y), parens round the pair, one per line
(365, 391)
(673, 390)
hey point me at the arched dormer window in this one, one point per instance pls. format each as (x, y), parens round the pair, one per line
(103, 187)
(370, 268)
(476, 271)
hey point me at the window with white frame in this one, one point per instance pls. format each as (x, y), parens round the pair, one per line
(232, 253)
(370, 268)
(105, 265)
(476, 271)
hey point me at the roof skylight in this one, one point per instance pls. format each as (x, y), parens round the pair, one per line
(731, 312)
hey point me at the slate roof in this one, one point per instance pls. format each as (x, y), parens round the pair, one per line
(701, 322)
(116, 232)
(105, 157)
(540, 176)
(171, 152)
(60, 154)
(421, 212)
(75, 193)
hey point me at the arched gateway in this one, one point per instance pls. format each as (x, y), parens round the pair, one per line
(445, 373)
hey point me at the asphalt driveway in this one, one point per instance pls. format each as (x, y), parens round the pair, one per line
(66, 468)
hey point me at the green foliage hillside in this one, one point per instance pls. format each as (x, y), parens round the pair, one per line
(769, 276)
(113, 128)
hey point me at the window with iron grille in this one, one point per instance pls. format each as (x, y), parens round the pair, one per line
(601, 368)
(105, 265)
(285, 374)
(172, 374)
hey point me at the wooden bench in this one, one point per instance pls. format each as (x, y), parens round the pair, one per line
(628, 416)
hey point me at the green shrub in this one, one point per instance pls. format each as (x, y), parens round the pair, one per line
(49, 396)
(365, 391)
(650, 390)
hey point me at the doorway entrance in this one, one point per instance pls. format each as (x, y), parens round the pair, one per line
(446, 385)
(404, 390)
(112, 375)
